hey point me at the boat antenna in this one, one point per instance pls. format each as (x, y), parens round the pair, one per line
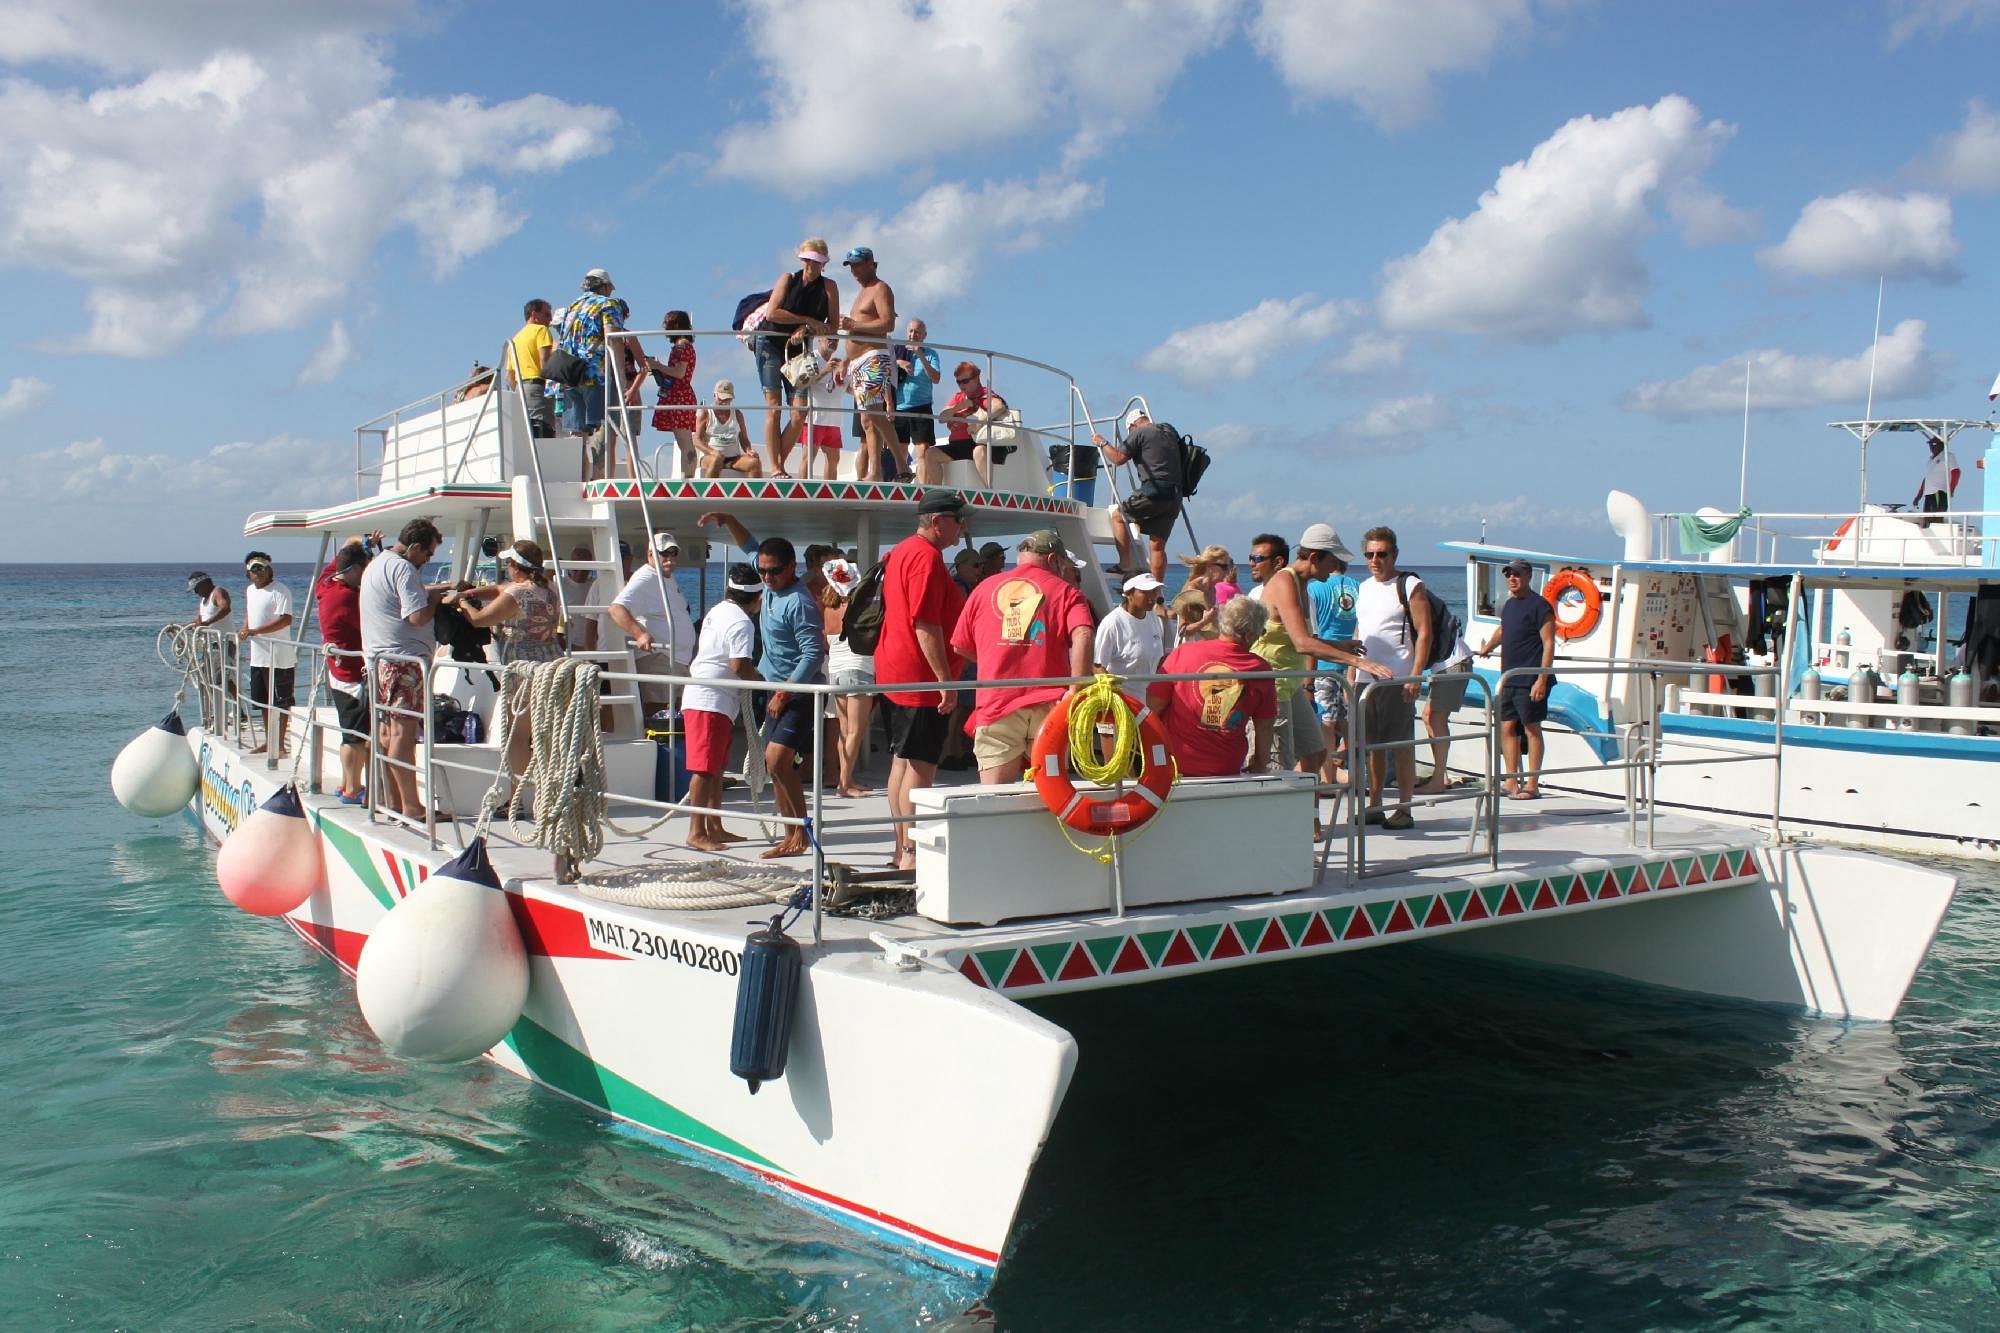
(1743, 476)
(1868, 415)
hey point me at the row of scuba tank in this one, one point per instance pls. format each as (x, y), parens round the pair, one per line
(444, 976)
(1864, 685)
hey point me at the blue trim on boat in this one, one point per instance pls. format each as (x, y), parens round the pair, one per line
(1574, 707)
(1922, 744)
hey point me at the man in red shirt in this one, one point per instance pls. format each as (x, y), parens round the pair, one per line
(338, 592)
(920, 604)
(1022, 626)
(1205, 719)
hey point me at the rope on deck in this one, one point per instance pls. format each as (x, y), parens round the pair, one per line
(699, 886)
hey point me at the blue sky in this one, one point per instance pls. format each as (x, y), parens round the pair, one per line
(1416, 261)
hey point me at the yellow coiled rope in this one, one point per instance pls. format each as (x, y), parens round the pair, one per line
(1099, 699)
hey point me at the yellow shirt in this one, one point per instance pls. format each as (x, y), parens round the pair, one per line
(528, 346)
(1274, 645)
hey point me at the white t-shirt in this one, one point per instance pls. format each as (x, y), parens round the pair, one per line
(1129, 645)
(674, 626)
(204, 607)
(261, 606)
(392, 590)
(726, 633)
(1937, 475)
(1379, 624)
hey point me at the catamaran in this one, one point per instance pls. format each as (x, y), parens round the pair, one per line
(903, 1080)
(1879, 713)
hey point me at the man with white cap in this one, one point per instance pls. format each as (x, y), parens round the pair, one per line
(1288, 642)
(587, 324)
(727, 650)
(1154, 448)
(1131, 639)
(653, 611)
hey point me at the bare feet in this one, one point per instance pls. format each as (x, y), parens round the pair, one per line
(856, 789)
(707, 845)
(258, 750)
(789, 847)
(1435, 787)
(724, 835)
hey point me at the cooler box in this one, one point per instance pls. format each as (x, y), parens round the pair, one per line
(1217, 838)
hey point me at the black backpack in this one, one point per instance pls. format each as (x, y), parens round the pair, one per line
(747, 307)
(1194, 463)
(861, 627)
(1445, 628)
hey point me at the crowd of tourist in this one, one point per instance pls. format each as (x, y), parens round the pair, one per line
(782, 623)
(814, 366)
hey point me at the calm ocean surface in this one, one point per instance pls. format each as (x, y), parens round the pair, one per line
(201, 1133)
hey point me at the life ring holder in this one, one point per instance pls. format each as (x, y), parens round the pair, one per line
(1090, 809)
(1574, 597)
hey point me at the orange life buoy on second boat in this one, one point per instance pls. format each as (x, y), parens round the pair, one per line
(1094, 810)
(1576, 600)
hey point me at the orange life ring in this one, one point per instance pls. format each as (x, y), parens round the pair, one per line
(1083, 810)
(1576, 601)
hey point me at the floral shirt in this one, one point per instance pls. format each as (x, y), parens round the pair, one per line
(585, 323)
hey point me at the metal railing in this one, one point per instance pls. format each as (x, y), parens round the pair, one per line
(1639, 741)
(1953, 538)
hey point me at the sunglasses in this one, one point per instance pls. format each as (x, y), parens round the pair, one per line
(1377, 555)
(771, 571)
(254, 566)
(1256, 559)
(966, 379)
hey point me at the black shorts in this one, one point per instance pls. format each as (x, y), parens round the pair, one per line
(795, 725)
(272, 685)
(959, 450)
(352, 711)
(1518, 705)
(1155, 517)
(918, 428)
(917, 732)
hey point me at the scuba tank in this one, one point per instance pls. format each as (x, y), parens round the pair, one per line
(1809, 688)
(766, 994)
(1861, 690)
(1910, 695)
(1960, 694)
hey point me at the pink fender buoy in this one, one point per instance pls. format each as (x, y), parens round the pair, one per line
(272, 862)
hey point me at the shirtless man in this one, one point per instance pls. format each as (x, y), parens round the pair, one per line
(871, 368)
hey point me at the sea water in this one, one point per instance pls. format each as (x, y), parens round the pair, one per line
(200, 1132)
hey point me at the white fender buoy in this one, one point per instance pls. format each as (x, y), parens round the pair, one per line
(155, 774)
(272, 862)
(444, 976)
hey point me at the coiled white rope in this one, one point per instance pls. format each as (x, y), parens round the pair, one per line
(179, 651)
(701, 886)
(565, 765)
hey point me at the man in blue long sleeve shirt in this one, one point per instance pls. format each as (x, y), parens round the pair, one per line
(794, 653)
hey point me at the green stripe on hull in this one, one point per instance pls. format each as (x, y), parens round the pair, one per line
(563, 1067)
(355, 852)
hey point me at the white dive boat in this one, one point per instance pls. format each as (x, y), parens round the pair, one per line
(1876, 638)
(920, 1082)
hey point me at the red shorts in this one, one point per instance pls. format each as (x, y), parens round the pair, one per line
(707, 740)
(823, 437)
(400, 685)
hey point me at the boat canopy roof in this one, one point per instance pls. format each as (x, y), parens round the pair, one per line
(1932, 428)
(1818, 575)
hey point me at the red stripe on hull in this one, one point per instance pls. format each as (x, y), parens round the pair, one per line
(342, 946)
(550, 930)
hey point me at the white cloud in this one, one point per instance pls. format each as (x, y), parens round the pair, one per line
(1399, 425)
(1936, 16)
(1968, 159)
(1554, 246)
(1237, 348)
(929, 251)
(1863, 234)
(330, 358)
(1781, 379)
(224, 480)
(24, 394)
(248, 188)
(1371, 354)
(859, 88)
(1381, 55)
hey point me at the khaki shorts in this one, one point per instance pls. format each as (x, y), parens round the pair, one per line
(1010, 738)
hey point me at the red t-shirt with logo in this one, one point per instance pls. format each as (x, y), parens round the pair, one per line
(915, 586)
(1205, 721)
(1016, 625)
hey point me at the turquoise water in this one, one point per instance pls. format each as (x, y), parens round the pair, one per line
(202, 1134)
